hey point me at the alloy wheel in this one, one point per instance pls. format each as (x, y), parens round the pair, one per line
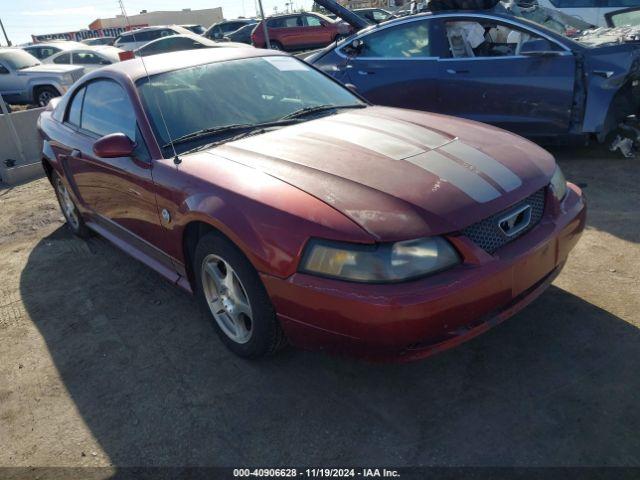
(227, 298)
(44, 98)
(68, 207)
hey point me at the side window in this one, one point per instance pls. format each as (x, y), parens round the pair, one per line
(47, 52)
(64, 59)
(73, 114)
(625, 18)
(379, 15)
(88, 58)
(107, 109)
(407, 40)
(312, 21)
(487, 39)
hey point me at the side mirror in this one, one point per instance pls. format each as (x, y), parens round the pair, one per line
(538, 48)
(351, 87)
(114, 145)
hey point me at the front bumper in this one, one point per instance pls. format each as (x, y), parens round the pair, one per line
(412, 320)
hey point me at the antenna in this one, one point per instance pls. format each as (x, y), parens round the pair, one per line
(176, 159)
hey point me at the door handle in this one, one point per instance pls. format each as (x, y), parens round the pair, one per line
(364, 72)
(455, 72)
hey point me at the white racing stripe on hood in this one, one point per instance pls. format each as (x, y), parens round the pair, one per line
(408, 131)
(491, 167)
(385, 145)
(460, 177)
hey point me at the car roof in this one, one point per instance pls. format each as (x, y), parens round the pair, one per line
(177, 28)
(63, 45)
(196, 38)
(193, 36)
(138, 68)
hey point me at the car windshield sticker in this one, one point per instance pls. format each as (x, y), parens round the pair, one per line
(286, 64)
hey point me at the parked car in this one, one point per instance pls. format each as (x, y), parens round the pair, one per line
(197, 29)
(217, 31)
(134, 39)
(176, 43)
(44, 50)
(295, 210)
(533, 81)
(299, 31)
(24, 80)
(373, 15)
(99, 41)
(242, 35)
(88, 57)
(370, 15)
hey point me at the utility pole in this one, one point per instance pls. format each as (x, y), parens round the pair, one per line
(264, 25)
(5, 34)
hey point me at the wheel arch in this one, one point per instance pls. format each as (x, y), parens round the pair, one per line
(192, 232)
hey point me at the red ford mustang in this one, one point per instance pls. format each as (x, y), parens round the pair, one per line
(296, 211)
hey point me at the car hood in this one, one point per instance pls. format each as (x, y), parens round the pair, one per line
(50, 68)
(400, 174)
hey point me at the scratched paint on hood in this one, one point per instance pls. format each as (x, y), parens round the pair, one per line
(395, 178)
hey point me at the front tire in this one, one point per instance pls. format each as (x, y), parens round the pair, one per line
(69, 210)
(230, 291)
(276, 46)
(43, 95)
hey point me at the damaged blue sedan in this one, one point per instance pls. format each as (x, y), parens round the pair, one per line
(541, 77)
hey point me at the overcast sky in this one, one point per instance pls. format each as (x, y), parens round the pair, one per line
(22, 18)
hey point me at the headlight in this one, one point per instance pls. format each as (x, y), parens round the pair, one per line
(558, 184)
(67, 79)
(388, 262)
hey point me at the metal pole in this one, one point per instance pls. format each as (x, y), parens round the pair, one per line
(5, 34)
(16, 138)
(264, 25)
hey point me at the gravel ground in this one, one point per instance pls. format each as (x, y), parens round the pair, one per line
(103, 363)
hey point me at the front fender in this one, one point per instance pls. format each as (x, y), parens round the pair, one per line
(607, 71)
(268, 219)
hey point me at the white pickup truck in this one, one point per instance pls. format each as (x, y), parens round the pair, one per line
(25, 80)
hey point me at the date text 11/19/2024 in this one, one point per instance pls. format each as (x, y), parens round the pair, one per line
(316, 472)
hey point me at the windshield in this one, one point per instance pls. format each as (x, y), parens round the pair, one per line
(19, 59)
(247, 91)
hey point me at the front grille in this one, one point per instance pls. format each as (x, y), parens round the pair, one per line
(76, 75)
(489, 236)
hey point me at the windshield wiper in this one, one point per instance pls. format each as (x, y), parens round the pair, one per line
(318, 108)
(205, 132)
(249, 129)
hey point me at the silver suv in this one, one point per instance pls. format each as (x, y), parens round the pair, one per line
(24, 80)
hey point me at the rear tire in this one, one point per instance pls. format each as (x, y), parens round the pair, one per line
(69, 210)
(43, 95)
(275, 45)
(231, 293)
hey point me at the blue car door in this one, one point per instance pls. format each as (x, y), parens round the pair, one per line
(485, 77)
(395, 66)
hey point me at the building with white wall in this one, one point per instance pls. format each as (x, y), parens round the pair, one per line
(205, 17)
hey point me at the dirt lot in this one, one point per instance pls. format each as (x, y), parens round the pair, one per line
(104, 363)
